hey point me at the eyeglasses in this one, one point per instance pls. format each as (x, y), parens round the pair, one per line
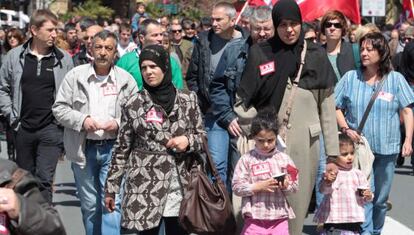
(336, 25)
(177, 31)
(11, 36)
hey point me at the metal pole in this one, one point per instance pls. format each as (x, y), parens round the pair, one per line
(373, 19)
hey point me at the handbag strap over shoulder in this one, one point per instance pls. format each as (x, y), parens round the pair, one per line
(210, 162)
(286, 117)
(370, 104)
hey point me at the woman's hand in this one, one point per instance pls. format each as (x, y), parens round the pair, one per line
(355, 137)
(178, 144)
(407, 149)
(285, 184)
(110, 202)
(268, 185)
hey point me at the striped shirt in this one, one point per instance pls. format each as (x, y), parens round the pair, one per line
(253, 167)
(382, 128)
(341, 202)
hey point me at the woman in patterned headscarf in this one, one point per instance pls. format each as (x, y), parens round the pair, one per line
(159, 127)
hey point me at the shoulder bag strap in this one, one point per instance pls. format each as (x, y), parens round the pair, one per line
(210, 162)
(370, 104)
(286, 117)
(18, 174)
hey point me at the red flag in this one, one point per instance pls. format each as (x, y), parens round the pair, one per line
(408, 7)
(313, 9)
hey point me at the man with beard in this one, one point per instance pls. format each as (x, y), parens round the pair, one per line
(88, 105)
(72, 39)
(261, 25)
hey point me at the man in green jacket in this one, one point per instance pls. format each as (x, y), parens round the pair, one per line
(150, 32)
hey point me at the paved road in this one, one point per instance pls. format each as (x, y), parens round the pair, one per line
(399, 222)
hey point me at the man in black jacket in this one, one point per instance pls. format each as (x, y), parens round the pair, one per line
(27, 211)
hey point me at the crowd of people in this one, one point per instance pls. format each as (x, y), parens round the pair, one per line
(281, 102)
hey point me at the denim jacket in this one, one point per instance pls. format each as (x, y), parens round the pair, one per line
(217, 93)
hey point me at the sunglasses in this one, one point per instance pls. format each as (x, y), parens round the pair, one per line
(336, 25)
(177, 31)
(311, 38)
(11, 36)
(87, 38)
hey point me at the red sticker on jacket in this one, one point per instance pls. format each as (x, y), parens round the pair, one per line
(293, 172)
(154, 116)
(267, 68)
(261, 168)
(109, 89)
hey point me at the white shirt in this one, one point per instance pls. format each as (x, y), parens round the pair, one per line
(103, 92)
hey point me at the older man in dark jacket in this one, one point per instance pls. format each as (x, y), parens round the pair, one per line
(27, 211)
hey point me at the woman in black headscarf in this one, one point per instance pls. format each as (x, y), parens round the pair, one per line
(267, 80)
(159, 126)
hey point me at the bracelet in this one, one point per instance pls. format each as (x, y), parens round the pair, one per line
(344, 129)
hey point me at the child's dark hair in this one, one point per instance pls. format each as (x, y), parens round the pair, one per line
(266, 119)
(344, 139)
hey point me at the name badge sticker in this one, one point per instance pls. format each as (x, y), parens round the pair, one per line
(385, 96)
(267, 68)
(261, 168)
(154, 116)
(109, 89)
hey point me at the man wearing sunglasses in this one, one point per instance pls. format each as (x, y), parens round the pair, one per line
(84, 56)
(183, 48)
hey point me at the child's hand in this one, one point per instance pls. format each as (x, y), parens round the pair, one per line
(331, 173)
(367, 195)
(285, 184)
(268, 185)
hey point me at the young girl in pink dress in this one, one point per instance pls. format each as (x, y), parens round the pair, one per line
(264, 206)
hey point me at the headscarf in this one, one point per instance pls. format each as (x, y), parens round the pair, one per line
(286, 58)
(268, 90)
(407, 62)
(163, 94)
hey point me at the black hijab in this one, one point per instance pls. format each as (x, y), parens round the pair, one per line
(163, 94)
(286, 60)
(407, 62)
(261, 91)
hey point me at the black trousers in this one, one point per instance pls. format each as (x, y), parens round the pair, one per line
(172, 227)
(38, 152)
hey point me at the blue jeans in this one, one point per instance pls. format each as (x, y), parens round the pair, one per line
(218, 144)
(321, 170)
(381, 181)
(90, 183)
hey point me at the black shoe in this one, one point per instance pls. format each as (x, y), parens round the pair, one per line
(400, 161)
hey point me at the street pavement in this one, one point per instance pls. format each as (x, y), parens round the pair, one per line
(400, 220)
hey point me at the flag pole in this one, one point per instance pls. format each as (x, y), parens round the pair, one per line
(243, 9)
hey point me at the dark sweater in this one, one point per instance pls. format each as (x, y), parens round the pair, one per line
(38, 89)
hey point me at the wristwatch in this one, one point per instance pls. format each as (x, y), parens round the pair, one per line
(344, 129)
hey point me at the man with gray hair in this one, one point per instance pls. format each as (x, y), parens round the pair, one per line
(219, 55)
(261, 25)
(88, 105)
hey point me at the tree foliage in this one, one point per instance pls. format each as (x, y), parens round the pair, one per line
(93, 9)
